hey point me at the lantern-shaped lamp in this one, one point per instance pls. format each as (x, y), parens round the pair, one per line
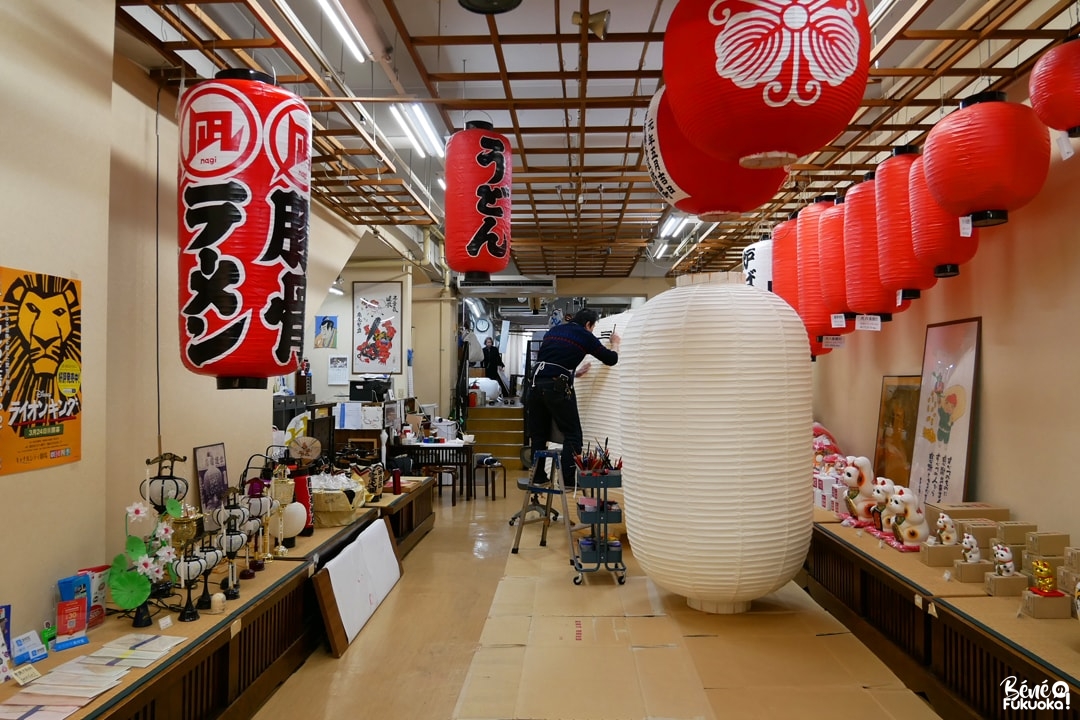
(865, 293)
(758, 263)
(243, 197)
(741, 528)
(1054, 87)
(900, 270)
(816, 315)
(786, 261)
(695, 182)
(987, 158)
(159, 488)
(833, 273)
(479, 169)
(231, 518)
(765, 82)
(935, 234)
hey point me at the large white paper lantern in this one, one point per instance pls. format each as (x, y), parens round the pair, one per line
(598, 393)
(715, 383)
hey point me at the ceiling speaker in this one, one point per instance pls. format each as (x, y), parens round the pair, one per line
(489, 7)
(598, 22)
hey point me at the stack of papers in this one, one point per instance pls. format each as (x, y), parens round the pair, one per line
(61, 692)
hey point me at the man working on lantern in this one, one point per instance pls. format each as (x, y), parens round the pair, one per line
(552, 398)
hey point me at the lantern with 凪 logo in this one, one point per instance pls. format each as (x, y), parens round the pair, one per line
(479, 168)
(243, 200)
(694, 181)
(765, 82)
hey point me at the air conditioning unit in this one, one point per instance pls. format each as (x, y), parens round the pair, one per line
(507, 286)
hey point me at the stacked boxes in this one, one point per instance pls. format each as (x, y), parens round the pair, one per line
(1012, 534)
(1069, 573)
(966, 510)
(1050, 547)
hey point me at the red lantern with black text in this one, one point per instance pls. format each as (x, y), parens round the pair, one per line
(812, 308)
(243, 202)
(898, 267)
(764, 83)
(695, 182)
(935, 234)
(865, 293)
(479, 168)
(987, 158)
(1054, 87)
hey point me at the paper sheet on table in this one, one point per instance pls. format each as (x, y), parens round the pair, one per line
(36, 712)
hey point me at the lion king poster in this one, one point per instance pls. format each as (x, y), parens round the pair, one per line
(40, 370)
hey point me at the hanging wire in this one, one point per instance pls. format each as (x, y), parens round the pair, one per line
(157, 259)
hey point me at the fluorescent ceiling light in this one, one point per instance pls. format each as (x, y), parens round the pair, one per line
(682, 225)
(879, 11)
(660, 253)
(341, 22)
(427, 130)
(442, 184)
(669, 226)
(407, 129)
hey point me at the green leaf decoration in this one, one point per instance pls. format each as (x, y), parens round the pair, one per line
(129, 589)
(174, 508)
(136, 548)
(120, 564)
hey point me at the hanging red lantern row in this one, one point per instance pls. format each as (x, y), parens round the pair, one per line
(243, 200)
(479, 169)
(987, 158)
(865, 293)
(1054, 87)
(764, 83)
(785, 250)
(695, 182)
(898, 267)
(815, 313)
(831, 259)
(935, 234)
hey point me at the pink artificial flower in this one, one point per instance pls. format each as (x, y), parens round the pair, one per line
(157, 574)
(166, 554)
(137, 510)
(145, 565)
(164, 532)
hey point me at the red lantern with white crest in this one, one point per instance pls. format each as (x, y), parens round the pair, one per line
(695, 182)
(243, 200)
(765, 82)
(1054, 87)
(987, 158)
(935, 234)
(479, 169)
(898, 267)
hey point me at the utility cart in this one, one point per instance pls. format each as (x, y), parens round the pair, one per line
(598, 551)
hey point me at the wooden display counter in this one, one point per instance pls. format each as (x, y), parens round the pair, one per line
(411, 514)
(229, 663)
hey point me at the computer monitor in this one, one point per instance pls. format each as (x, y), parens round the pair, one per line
(368, 390)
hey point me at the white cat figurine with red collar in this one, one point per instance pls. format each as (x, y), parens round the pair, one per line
(946, 530)
(909, 522)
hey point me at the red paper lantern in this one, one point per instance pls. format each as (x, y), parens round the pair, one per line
(765, 82)
(831, 258)
(812, 308)
(243, 199)
(785, 281)
(898, 267)
(694, 181)
(865, 293)
(479, 168)
(935, 234)
(987, 158)
(1054, 87)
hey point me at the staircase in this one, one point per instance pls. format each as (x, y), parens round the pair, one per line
(499, 430)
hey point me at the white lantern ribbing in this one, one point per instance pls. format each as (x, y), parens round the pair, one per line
(718, 507)
(598, 393)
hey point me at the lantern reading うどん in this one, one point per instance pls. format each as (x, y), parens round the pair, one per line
(764, 81)
(243, 200)
(479, 169)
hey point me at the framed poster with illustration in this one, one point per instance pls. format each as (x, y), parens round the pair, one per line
(376, 331)
(950, 373)
(213, 481)
(897, 415)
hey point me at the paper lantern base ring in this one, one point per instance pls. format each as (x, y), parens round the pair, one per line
(989, 218)
(241, 383)
(946, 271)
(718, 608)
(771, 159)
(910, 294)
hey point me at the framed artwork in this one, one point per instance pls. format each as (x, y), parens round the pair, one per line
(326, 329)
(939, 463)
(213, 481)
(377, 323)
(897, 416)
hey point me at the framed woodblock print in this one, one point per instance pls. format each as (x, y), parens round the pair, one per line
(376, 332)
(939, 464)
(213, 480)
(897, 416)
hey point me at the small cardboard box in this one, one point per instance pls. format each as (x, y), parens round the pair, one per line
(1072, 558)
(1017, 550)
(1066, 580)
(1005, 586)
(958, 511)
(1014, 532)
(1042, 607)
(1047, 543)
(982, 528)
(940, 555)
(1055, 561)
(974, 572)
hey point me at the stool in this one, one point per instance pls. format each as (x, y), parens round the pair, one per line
(490, 472)
(437, 471)
(530, 501)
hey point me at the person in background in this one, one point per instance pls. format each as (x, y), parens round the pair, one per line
(492, 362)
(552, 398)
